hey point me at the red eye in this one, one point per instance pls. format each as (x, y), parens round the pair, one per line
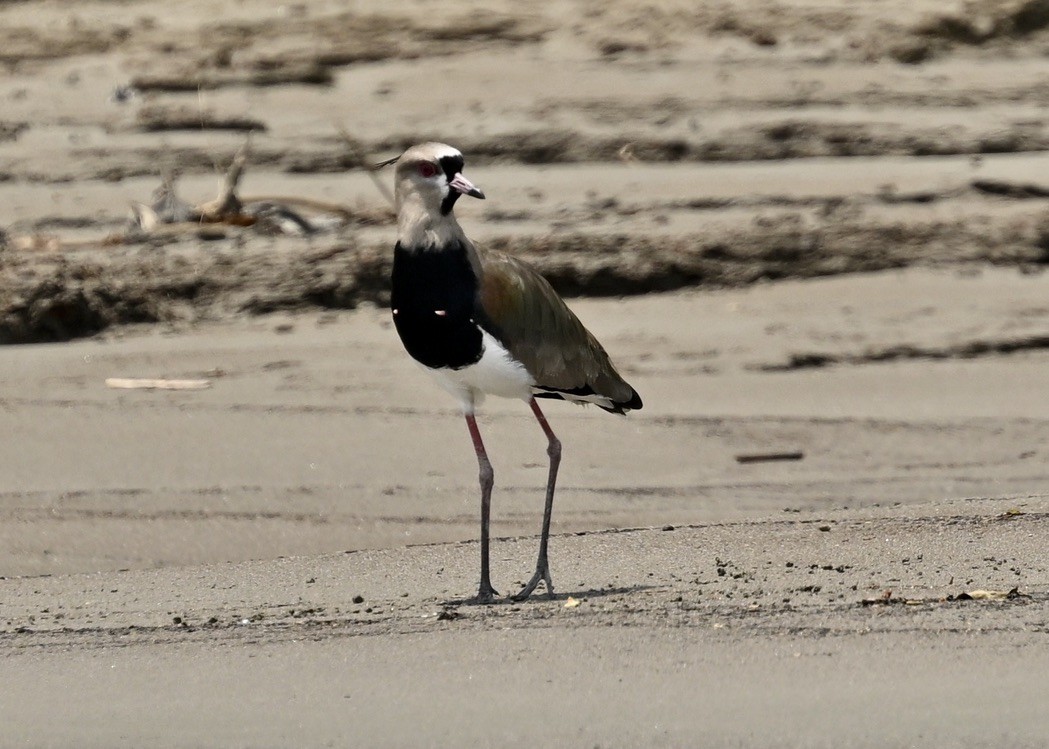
(427, 170)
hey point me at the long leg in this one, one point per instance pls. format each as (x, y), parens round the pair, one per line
(486, 593)
(542, 565)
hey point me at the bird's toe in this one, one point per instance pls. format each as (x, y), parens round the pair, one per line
(486, 594)
(541, 575)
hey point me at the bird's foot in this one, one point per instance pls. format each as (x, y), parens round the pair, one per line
(486, 593)
(542, 573)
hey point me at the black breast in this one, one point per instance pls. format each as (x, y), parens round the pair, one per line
(433, 299)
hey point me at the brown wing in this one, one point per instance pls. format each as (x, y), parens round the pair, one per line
(537, 327)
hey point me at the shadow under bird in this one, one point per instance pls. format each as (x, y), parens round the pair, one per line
(482, 322)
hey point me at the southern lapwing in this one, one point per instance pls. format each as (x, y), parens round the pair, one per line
(486, 323)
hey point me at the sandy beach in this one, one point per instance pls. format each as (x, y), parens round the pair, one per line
(807, 231)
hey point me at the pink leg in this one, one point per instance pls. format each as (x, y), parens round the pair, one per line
(486, 593)
(542, 566)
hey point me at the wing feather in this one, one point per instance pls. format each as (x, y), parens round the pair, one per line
(522, 310)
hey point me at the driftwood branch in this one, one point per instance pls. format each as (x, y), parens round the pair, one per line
(227, 203)
(360, 159)
(169, 215)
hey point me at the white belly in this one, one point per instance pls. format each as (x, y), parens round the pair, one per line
(496, 373)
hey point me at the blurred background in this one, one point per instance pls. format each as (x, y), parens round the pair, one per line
(627, 146)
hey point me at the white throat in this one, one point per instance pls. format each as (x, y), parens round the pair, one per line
(419, 226)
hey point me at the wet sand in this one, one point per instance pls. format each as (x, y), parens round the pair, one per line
(808, 229)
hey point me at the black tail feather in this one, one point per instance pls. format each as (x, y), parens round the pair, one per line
(617, 407)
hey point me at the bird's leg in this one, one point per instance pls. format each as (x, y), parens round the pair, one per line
(542, 565)
(486, 593)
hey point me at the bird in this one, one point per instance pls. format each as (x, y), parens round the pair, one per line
(484, 322)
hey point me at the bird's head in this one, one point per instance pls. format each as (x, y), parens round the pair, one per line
(432, 173)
